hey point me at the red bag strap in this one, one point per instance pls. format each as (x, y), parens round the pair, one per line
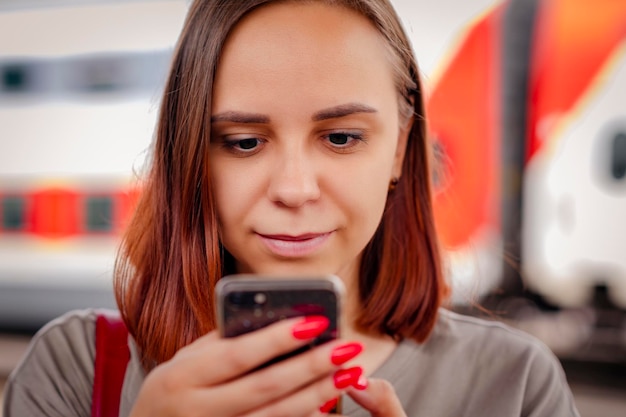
(112, 356)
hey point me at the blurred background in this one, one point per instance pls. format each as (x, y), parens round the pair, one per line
(525, 102)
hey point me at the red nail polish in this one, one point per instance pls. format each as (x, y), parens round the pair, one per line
(310, 327)
(327, 407)
(361, 384)
(344, 353)
(345, 377)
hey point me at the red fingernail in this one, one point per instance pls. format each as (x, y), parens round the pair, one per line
(345, 377)
(310, 327)
(344, 353)
(327, 407)
(361, 384)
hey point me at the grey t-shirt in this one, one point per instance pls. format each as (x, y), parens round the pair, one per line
(467, 367)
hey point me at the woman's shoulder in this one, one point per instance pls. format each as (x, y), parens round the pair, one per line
(57, 368)
(474, 331)
(494, 368)
(71, 334)
(466, 344)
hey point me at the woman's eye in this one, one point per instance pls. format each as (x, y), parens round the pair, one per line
(343, 139)
(244, 146)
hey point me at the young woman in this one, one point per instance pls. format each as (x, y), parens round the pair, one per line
(291, 142)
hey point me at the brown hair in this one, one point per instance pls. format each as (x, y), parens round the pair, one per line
(171, 256)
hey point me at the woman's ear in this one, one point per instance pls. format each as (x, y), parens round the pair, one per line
(403, 137)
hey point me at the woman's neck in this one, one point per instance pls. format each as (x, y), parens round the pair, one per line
(377, 348)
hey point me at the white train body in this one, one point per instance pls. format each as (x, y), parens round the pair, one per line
(574, 230)
(79, 96)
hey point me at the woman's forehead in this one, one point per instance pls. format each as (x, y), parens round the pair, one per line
(301, 31)
(303, 48)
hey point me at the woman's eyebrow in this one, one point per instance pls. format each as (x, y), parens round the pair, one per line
(335, 112)
(342, 110)
(239, 117)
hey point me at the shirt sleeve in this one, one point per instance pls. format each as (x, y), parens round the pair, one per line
(547, 392)
(55, 376)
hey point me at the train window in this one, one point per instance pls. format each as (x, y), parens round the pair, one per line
(618, 167)
(101, 74)
(15, 78)
(13, 213)
(99, 214)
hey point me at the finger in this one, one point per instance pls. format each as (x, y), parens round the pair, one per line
(284, 378)
(379, 398)
(215, 360)
(302, 403)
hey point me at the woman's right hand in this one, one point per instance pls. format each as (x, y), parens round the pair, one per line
(211, 376)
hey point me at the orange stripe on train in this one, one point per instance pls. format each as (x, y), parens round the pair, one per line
(572, 42)
(463, 112)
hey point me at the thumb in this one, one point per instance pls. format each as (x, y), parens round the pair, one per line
(379, 398)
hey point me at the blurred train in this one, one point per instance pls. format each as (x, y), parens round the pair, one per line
(575, 190)
(79, 90)
(530, 133)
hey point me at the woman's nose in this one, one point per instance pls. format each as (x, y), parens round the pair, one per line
(294, 181)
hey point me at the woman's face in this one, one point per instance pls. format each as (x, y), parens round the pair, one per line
(305, 139)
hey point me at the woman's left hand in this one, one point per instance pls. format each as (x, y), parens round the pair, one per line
(379, 398)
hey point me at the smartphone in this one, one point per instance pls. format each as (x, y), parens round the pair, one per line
(249, 302)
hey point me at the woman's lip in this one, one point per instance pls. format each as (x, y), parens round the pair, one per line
(293, 238)
(294, 246)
